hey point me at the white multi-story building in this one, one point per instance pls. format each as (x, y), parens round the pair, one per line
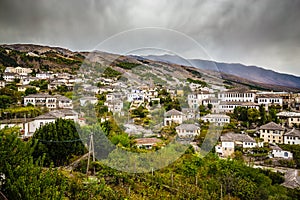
(268, 100)
(229, 106)
(218, 119)
(242, 95)
(214, 102)
(136, 95)
(43, 75)
(19, 70)
(230, 140)
(85, 100)
(49, 101)
(44, 100)
(9, 76)
(292, 137)
(174, 116)
(114, 106)
(194, 100)
(289, 118)
(187, 130)
(272, 133)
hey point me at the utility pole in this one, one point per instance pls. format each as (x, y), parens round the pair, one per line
(91, 149)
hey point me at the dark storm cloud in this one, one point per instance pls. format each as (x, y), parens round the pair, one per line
(259, 32)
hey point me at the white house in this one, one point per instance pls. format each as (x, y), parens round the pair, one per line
(113, 96)
(187, 130)
(147, 143)
(19, 70)
(114, 106)
(290, 118)
(43, 75)
(174, 116)
(230, 140)
(195, 99)
(2, 84)
(86, 100)
(50, 117)
(268, 100)
(218, 119)
(49, 101)
(277, 152)
(292, 137)
(29, 126)
(214, 102)
(240, 94)
(44, 100)
(9, 77)
(229, 106)
(272, 133)
(136, 95)
(63, 102)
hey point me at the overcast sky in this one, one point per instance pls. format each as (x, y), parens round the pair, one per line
(254, 32)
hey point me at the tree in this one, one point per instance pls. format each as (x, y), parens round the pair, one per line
(5, 101)
(24, 178)
(263, 115)
(272, 114)
(253, 115)
(59, 142)
(30, 90)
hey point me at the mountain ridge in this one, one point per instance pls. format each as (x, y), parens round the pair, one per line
(254, 73)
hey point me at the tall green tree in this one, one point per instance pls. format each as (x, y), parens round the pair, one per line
(59, 142)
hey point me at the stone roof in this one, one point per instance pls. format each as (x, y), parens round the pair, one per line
(272, 126)
(39, 96)
(238, 103)
(215, 116)
(238, 90)
(273, 96)
(62, 98)
(288, 114)
(275, 147)
(46, 116)
(293, 133)
(188, 127)
(142, 141)
(55, 114)
(235, 137)
(173, 112)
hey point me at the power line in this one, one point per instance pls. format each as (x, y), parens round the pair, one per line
(60, 141)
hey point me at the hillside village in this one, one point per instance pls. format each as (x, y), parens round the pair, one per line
(258, 126)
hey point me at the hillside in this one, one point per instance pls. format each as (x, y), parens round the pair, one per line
(253, 73)
(163, 68)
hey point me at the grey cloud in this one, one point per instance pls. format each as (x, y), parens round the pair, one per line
(258, 32)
